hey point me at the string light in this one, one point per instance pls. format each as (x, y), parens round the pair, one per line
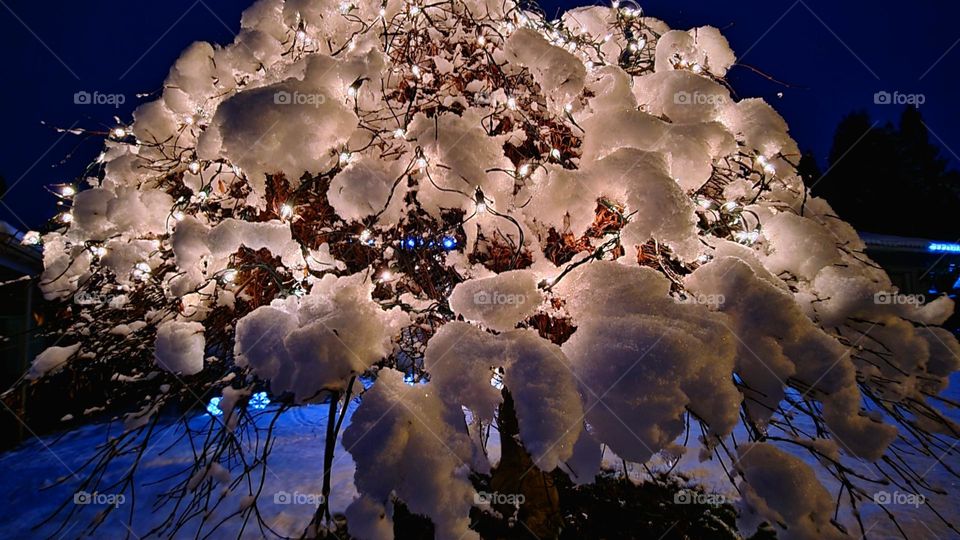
(66, 217)
(286, 211)
(119, 133)
(399, 133)
(229, 276)
(68, 191)
(194, 167)
(523, 171)
(345, 158)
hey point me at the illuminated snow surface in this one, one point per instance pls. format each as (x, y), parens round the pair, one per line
(296, 468)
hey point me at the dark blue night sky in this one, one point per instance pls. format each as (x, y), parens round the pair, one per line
(835, 54)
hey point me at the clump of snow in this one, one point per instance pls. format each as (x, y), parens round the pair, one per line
(51, 360)
(500, 301)
(180, 347)
(781, 489)
(316, 343)
(407, 442)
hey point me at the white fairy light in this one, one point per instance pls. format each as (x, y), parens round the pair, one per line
(523, 171)
(414, 10)
(99, 251)
(555, 153)
(416, 71)
(194, 167)
(345, 158)
(345, 7)
(178, 215)
(229, 276)
(365, 236)
(481, 207)
(119, 132)
(481, 40)
(568, 107)
(286, 211)
(422, 163)
(68, 191)
(399, 133)
(66, 217)
(512, 103)
(387, 275)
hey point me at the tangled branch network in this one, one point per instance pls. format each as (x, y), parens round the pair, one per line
(466, 203)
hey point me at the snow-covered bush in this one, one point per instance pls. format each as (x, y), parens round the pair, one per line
(575, 213)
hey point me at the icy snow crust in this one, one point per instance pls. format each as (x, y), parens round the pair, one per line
(705, 181)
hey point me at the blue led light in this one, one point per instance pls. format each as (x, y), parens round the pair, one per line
(449, 242)
(943, 247)
(213, 408)
(259, 401)
(411, 242)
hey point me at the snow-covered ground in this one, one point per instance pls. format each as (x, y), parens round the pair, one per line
(295, 469)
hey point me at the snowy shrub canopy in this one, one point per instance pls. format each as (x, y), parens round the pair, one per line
(576, 213)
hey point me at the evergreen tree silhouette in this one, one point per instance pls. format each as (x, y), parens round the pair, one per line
(887, 180)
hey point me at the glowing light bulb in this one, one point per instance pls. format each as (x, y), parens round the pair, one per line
(555, 153)
(66, 218)
(365, 237)
(68, 191)
(512, 103)
(119, 132)
(422, 163)
(345, 158)
(178, 215)
(99, 251)
(229, 276)
(481, 207)
(416, 71)
(286, 211)
(345, 7)
(524, 170)
(382, 12)
(697, 68)
(143, 268)
(386, 275)
(352, 91)
(414, 10)
(399, 133)
(194, 167)
(481, 41)
(568, 107)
